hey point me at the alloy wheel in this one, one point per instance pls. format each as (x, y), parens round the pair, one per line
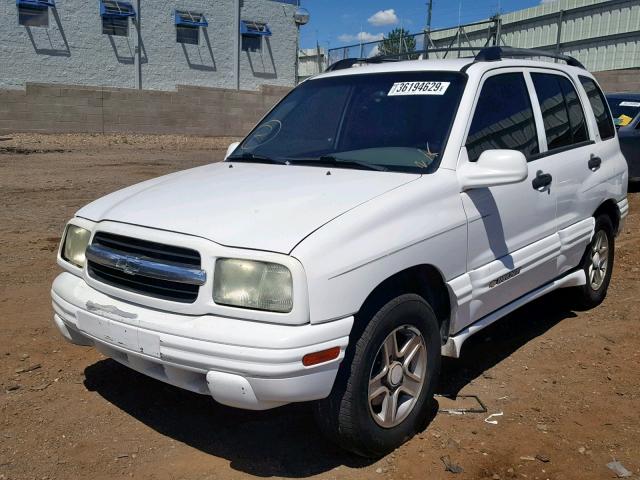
(397, 376)
(599, 259)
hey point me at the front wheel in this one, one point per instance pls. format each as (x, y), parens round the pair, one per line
(386, 381)
(597, 264)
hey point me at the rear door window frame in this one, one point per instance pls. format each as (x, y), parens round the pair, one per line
(602, 95)
(542, 136)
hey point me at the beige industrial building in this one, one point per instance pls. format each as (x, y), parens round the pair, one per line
(602, 34)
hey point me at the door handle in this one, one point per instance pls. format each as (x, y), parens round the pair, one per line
(542, 180)
(594, 163)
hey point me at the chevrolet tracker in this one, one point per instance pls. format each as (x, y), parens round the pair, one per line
(376, 218)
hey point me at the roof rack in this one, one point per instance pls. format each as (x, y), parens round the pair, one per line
(485, 54)
(489, 54)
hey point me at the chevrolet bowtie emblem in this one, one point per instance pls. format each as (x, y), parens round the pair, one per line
(128, 265)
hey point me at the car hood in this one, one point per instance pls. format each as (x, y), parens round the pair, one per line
(245, 205)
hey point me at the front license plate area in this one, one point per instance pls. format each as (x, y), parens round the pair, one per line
(148, 343)
(110, 331)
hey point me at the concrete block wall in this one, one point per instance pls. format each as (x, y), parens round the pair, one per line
(188, 110)
(619, 80)
(73, 50)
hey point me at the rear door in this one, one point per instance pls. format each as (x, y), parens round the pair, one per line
(512, 246)
(571, 149)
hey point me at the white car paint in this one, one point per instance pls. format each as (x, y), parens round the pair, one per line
(287, 203)
(341, 235)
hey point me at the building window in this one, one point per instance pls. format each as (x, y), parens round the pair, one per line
(252, 33)
(251, 44)
(188, 26)
(252, 28)
(115, 17)
(115, 26)
(34, 13)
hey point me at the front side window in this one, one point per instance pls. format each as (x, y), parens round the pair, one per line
(503, 118)
(395, 121)
(564, 122)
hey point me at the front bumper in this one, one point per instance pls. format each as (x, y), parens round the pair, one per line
(241, 363)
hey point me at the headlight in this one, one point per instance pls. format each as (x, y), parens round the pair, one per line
(251, 284)
(75, 241)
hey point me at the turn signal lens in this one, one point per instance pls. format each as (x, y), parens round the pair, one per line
(321, 357)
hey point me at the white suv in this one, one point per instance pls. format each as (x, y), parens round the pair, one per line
(376, 218)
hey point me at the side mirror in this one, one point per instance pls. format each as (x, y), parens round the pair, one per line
(231, 148)
(493, 168)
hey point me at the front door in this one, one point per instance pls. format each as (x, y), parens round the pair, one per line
(512, 240)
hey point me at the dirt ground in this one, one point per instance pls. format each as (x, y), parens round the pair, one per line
(567, 383)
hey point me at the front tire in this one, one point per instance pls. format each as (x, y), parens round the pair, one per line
(386, 381)
(597, 264)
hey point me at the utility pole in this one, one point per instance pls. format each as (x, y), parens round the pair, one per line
(427, 31)
(300, 17)
(137, 57)
(318, 57)
(236, 43)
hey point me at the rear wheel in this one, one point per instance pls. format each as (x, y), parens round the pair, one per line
(386, 380)
(597, 264)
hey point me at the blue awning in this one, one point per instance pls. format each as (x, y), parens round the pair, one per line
(116, 9)
(191, 19)
(254, 29)
(36, 4)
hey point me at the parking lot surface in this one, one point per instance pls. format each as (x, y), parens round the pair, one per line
(567, 383)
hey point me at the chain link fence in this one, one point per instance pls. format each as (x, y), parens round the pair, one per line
(446, 43)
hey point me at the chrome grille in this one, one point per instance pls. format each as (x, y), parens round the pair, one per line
(149, 268)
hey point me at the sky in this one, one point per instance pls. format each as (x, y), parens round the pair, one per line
(336, 23)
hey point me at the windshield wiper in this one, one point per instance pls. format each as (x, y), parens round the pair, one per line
(252, 157)
(330, 160)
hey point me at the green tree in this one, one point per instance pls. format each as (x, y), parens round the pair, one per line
(398, 42)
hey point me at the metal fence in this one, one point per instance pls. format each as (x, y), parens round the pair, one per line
(423, 42)
(604, 35)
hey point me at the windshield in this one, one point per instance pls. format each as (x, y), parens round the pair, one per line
(386, 121)
(623, 110)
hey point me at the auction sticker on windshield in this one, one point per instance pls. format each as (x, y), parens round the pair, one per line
(418, 88)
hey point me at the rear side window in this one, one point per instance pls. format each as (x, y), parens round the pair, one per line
(503, 118)
(599, 107)
(564, 122)
(576, 114)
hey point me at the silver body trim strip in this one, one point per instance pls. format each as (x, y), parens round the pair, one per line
(135, 265)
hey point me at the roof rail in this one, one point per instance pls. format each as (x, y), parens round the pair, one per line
(485, 54)
(489, 54)
(395, 57)
(344, 63)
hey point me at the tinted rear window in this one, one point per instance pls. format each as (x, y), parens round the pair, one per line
(564, 122)
(599, 107)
